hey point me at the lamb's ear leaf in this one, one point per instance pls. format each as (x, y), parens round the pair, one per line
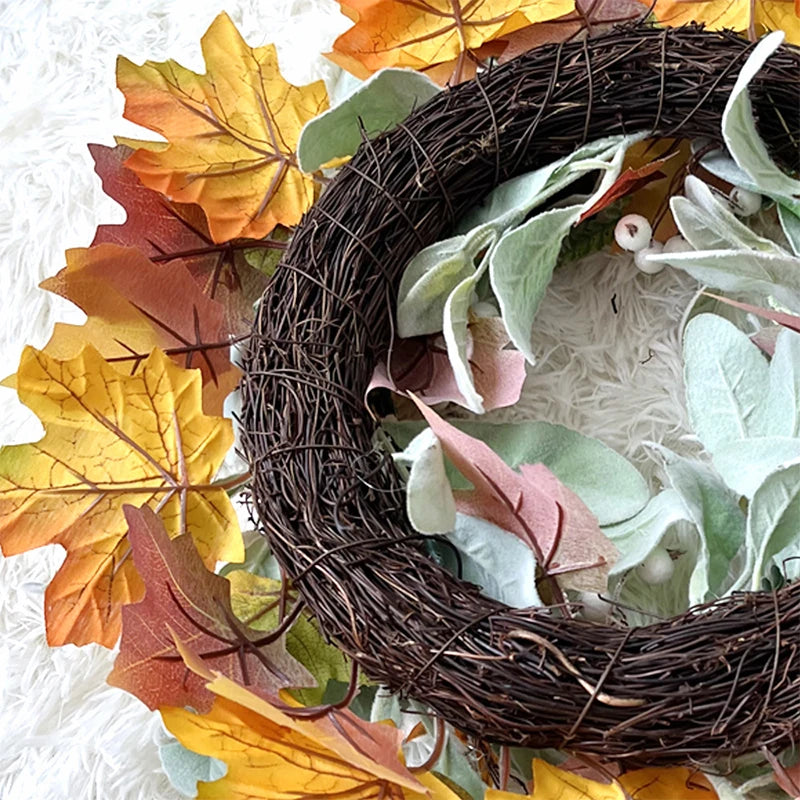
(780, 412)
(741, 135)
(726, 378)
(185, 768)
(521, 267)
(714, 510)
(637, 537)
(790, 222)
(744, 464)
(377, 105)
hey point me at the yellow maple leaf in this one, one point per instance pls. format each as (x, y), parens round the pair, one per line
(232, 133)
(420, 33)
(272, 755)
(653, 783)
(111, 439)
(734, 14)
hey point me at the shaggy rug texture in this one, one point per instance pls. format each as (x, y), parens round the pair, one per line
(613, 374)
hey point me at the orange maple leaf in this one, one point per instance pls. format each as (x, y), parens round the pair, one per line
(232, 133)
(421, 33)
(135, 305)
(111, 439)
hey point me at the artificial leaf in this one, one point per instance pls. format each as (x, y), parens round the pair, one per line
(111, 439)
(232, 133)
(652, 783)
(744, 464)
(726, 378)
(134, 305)
(430, 505)
(377, 105)
(521, 267)
(532, 504)
(342, 755)
(790, 222)
(418, 35)
(630, 181)
(637, 537)
(184, 599)
(185, 768)
(175, 234)
(780, 413)
(790, 321)
(714, 510)
(422, 366)
(611, 487)
(773, 519)
(595, 16)
(453, 763)
(497, 561)
(789, 780)
(738, 15)
(739, 127)
(253, 601)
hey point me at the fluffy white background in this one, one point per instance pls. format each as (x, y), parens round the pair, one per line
(63, 732)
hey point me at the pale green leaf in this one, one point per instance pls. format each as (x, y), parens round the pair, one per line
(430, 505)
(726, 377)
(744, 464)
(185, 768)
(714, 510)
(780, 415)
(773, 522)
(790, 222)
(741, 135)
(607, 483)
(637, 537)
(377, 105)
(496, 560)
(521, 267)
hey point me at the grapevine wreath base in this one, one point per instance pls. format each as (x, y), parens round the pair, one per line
(718, 681)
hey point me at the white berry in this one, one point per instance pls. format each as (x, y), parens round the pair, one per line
(642, 263)
(677, 244)
(657, 568)
(633, 232)
(745, 203)
(595, 609)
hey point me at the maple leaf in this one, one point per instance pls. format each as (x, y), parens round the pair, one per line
(232, 133)
(111, 439)
(738, 15)
(421, 365)
(183, 598)
(652, 783)
(275, 755)
(176, 234)
(421, 33)
(532, 504)
(592, 16)
(134, 306)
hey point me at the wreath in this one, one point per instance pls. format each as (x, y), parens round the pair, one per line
(504, 593)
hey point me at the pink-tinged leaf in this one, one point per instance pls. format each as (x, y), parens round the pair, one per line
(626, 184)
(766, 339)
(789, 321)
(532, 504)
(421, 366)
(184, 599)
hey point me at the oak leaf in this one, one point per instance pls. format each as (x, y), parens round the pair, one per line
(422, 33)
(275, 754)
(111, 439)
(232, 133)
(183, 598)
(738, 15)
(532, 504)
(652, 783)
(133, 306)
(176, 235)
